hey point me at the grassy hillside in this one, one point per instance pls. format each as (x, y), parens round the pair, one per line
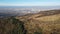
(46, 22)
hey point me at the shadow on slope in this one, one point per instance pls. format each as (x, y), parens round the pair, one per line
(11, 26)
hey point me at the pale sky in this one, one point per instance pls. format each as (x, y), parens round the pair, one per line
(29, 2)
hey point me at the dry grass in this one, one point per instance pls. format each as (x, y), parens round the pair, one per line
(42, 25)
(32, 24)
(49, 18)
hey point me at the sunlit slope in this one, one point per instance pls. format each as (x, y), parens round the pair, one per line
(49, 18)
(42, 23)
(46, 24)
(43, 18)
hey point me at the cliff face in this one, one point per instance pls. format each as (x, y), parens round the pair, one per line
(40, 23)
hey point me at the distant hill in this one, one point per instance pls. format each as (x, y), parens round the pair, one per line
(50, 12)
(45, 13)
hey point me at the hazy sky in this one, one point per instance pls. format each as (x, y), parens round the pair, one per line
(29, 2)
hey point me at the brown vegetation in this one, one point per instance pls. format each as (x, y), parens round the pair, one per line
(42, 23)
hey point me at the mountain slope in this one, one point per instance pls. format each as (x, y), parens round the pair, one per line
(46, 22)
(40, 23)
